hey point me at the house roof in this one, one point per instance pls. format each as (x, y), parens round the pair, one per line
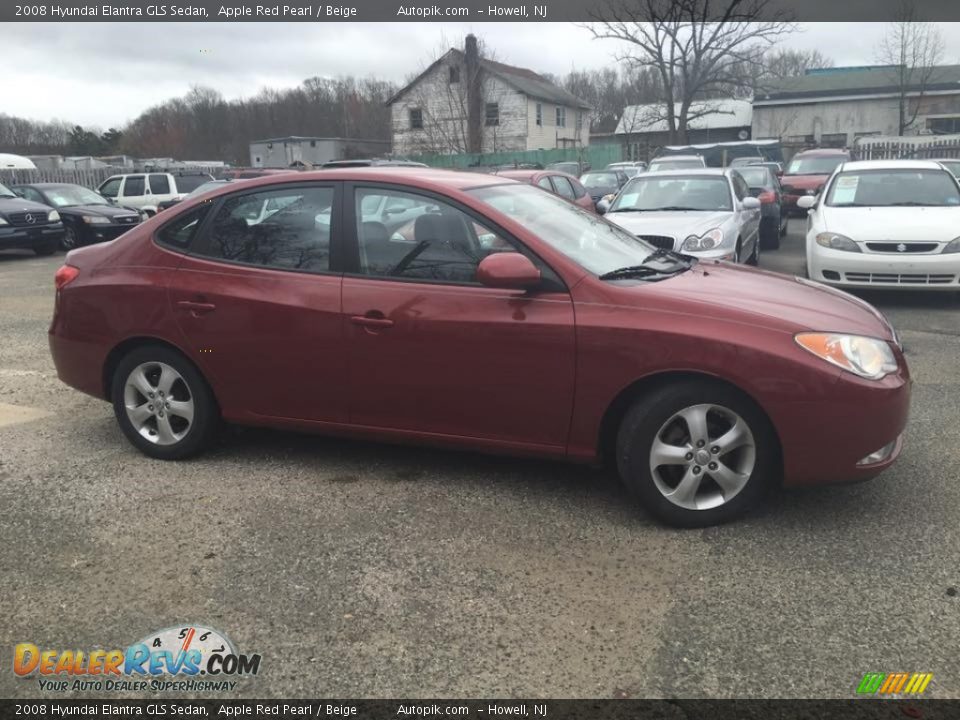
(821, 85)
(521, 79)
(725, 113)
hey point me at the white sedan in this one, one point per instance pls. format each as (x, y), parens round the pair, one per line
(886, 224)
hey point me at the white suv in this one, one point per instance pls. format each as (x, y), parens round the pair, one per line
(144, 191)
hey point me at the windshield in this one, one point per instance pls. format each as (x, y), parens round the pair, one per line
(6, 192)
(647, 193)
(951, 165)
(814, 165)
(591, 242)
(755, 176)
(674, 164)
(890, 188)
(599, 180)
(69, 195)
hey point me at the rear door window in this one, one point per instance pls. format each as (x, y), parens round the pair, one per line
(563, 186)
(134, 186)
(159, 184)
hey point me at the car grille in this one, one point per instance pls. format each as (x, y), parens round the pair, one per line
(905, 247)
(31, 217)
(900, 279)
(127, 220)
(660, 241)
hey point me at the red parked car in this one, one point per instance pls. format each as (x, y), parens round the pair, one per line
(559, 183)
(806, 174)
(511, 321)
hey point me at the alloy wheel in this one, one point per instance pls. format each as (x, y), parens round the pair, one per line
(70, 238)
(159, 403)
(702, 456)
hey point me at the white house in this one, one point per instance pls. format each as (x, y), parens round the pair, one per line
(465, 103)
(835, 106)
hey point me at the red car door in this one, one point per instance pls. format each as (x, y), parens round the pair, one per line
(434, 352)
(259, 307)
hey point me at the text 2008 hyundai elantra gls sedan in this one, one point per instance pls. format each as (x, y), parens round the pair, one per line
(472, 311)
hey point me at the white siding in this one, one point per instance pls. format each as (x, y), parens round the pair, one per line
(547, 135)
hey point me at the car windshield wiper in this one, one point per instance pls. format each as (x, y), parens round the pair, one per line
(625, 210)
(676, 257)
(676, 208)
(640, 271)
(911, 203)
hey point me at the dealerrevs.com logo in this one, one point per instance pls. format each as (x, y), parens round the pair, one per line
(184, 658)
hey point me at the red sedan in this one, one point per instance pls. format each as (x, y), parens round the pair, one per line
(511, 321)
(566, 186)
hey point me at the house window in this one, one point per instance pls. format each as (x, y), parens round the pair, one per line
(416, 119)
(539, 114)
(313, 143)
(492, 114)
(454, 74)
(561, 117)
(943, 125)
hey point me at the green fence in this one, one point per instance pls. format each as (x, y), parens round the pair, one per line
(596, 156)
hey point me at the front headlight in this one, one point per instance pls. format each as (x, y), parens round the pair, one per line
(608, 198)
(2, 221)
(708, 241)
(864, 356)
(952, 247)
(96, 220)
(53, 216)
(837, 242)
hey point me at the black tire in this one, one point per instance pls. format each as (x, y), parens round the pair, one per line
(47, 248)
(784, 224)
(645, 420)
(754, 258)
(769, 235)
(71, 238)
(206, 414)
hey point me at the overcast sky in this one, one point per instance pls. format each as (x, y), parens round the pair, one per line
(105, 74)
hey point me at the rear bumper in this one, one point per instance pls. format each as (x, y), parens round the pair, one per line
(79, 364)
(30, 237)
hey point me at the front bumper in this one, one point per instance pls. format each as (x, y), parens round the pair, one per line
(30, 237)
(824, 440)
(103, 233)
(886, 271)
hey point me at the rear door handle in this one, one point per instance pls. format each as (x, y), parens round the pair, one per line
(197, 308)
(372, 322)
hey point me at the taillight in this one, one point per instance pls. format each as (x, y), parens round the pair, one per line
(65, 275)
(768, 196)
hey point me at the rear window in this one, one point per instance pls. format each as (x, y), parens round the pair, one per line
(814, 165)
(756, 176)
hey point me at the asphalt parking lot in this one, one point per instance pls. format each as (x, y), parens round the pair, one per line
(364, 570)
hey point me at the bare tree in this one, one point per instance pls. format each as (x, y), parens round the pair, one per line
(697, 47)
(914, 49)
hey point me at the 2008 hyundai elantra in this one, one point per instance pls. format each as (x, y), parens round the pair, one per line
(468, 310)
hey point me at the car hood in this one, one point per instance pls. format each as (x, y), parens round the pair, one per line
(758, 297)
(108, 211)
(12, 205)
(803, 182)
(932, 224)
(677, 224)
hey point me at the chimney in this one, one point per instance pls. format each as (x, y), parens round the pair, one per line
(474, 96)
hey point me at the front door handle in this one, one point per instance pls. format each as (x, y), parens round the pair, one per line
(371, 322)
(197, 308)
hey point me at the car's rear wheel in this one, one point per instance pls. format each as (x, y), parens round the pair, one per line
(162, 403)
(696, 453)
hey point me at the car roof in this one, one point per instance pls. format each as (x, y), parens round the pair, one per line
(524, 174)
(688, 172)
(677, 157)
(824, 151)
(422, 177)
(854, 165)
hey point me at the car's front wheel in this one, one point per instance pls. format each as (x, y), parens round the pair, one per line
(162, 403)
(71, 238)
(696, 453)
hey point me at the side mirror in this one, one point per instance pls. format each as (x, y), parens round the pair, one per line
(805, 202)
(508, 270)
(750, 203)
